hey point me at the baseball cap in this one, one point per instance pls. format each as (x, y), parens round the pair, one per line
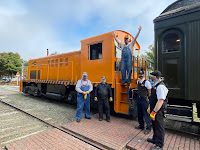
(103, 78)
(84, 74)
(126, 37)
(141, 71)
(156, 73)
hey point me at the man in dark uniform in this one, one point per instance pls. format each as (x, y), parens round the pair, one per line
(102, 93)
(157, 98)
(144, 91)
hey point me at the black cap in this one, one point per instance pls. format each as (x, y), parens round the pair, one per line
(141, 71)
(156, 73)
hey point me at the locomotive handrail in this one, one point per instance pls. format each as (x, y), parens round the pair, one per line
(116, 78)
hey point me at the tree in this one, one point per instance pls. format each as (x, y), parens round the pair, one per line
(10, 63)
(54, 53)
(149, 56)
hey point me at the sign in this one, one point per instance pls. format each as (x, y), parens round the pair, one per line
(17, 74)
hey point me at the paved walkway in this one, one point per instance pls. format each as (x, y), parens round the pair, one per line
(52, 139)
(118, 134)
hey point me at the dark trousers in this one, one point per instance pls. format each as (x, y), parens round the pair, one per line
(103, 103)
(158, 129)
(142, 106)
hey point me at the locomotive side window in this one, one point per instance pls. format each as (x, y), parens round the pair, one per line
(66, 61)
(61, 60)
(52, 63)
(95, 51)
(171, 43)
(56, 63)
(33, 74)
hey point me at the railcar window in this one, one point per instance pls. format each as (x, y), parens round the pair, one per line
(171, 43)
(56, 63)
(118, 50)
(66, 61)
(95, 51)
(52, 63)
(61, 60)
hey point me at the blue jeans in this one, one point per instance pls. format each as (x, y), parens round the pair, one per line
(126, 66)
(142, 106)
(83, 103)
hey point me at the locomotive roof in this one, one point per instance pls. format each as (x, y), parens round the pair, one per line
(178, 7)
(46, 57)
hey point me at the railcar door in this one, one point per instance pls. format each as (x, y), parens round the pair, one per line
(171, 62)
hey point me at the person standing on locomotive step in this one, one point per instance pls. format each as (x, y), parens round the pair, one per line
(144, 91)
(102, 93)
(158, 95)
(83, 88)
(127, 53)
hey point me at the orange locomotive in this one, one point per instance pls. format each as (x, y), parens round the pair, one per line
(55, 76)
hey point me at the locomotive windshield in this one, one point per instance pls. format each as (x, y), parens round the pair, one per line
(118, 51)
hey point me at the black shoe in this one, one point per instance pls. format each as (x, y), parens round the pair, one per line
(100, 119)
(147, 131)
(108, 120)
(150, 140)
(139, 127)
(156, 148)
(123, 83)
(78, 120)
(88, 118)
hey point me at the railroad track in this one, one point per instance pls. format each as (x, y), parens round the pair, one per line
(30, 125)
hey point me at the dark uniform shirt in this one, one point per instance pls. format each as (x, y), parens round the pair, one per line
(142, 90)
(103, 91)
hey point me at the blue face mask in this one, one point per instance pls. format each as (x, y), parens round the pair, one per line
(126, 42)
(84, 77)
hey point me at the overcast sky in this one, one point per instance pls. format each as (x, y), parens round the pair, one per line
(29, 27)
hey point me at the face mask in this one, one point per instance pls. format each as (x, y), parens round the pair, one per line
(84, 77)
(153, 78)
(126, 42)
(140, 77)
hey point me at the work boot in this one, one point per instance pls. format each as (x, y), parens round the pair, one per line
(147, 131)
(123, 83)
(78, 120)
(139, 127)
(156, 148)
(100, 119)
(108, 120)
(88, 118)
(150, 140)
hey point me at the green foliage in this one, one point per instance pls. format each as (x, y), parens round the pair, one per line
(54, 53)
(10, 63)
(25, 63)
(149, 56)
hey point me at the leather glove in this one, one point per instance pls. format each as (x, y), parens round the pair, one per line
(153, 115)
(85, 96)
(148, 109)
(111, 99)
(95, 98)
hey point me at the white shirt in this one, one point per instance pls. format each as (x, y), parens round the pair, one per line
(147, 83)
(161, 91)
(78, 85)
